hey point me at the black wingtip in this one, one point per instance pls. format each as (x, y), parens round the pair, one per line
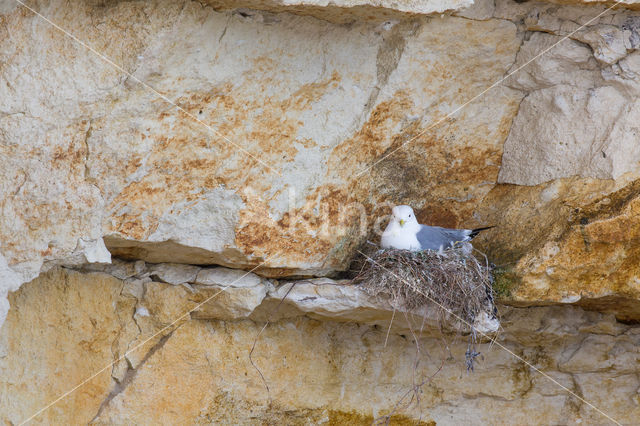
(476, 231)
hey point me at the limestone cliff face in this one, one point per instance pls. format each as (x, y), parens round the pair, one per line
(273, 135)
(208, 134)
(326, 369)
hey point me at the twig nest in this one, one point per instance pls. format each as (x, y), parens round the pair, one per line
(454, 280)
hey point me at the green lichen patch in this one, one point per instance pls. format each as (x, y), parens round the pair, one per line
(505, 281)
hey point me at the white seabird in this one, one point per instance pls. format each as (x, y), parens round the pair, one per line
(404, 232)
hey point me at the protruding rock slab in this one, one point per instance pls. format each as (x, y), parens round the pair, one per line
(324, 299)
(595, 262)
(347, 11)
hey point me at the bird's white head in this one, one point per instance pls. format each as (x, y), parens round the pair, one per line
(403, 215)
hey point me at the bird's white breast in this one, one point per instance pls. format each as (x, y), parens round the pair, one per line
(398, 237)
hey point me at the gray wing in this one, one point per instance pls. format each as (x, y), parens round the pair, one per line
(437, 238)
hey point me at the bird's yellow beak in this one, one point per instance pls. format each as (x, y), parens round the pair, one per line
(402, 222)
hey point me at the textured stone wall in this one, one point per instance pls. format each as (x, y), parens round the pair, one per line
(319, 371)
(234, 137)
(183, 135)
(244, 137)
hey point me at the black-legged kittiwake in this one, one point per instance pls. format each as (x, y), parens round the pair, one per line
(404, 232)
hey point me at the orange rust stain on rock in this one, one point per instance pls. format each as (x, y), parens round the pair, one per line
(132, 226)
(437, 215)
(302, 235)
(372, 139)
(264, 63)
(66, 213)
(181, 170)
(133, 164)
(58, 154)
(473, 166)
(264, 237)
(594, 258)
(274, 129)
(188, 159)
(73, 153)
(307, 143)
(307, 94)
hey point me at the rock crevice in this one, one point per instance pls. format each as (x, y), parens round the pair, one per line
(121, 385)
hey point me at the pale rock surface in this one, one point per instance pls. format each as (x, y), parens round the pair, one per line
(572, 144)
(80, 323)
(107, 158)
(628, 71)
(568, 62)
(222, 293)
(87, 252)
(327, 297)
(323, 299)
(563, 132)
(223, 277)
(609, 43)
(118, 268)
(346, 11)
(577, 97)
(92, 156)
(9, 281)
(229, 303)
(480, 10)
(323, 372)
(174, 273)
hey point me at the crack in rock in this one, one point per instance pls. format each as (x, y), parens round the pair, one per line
(131, 373)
